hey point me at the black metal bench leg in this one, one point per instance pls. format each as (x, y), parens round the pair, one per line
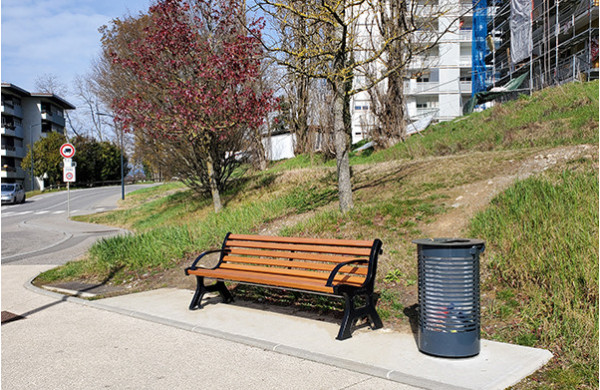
(352, 314)
(372, 313)
(200, 291)
(349, 318)
(225, 294)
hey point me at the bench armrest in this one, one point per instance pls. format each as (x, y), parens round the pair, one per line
(339, 266)
(193, 266)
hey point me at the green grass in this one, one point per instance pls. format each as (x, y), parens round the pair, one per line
(542, 238)
(164, 245)
(566, 115)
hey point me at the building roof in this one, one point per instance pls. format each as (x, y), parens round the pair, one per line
(54, 98)
(13, 88)
(42, 95)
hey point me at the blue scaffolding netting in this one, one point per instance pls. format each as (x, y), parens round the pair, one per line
(479, 47)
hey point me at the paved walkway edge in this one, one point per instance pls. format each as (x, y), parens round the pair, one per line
(393, 375)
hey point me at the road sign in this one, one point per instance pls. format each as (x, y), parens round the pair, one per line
(69, 174)
(67, 150)
(68, 162)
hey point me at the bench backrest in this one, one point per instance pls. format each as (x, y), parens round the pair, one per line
(302, 257)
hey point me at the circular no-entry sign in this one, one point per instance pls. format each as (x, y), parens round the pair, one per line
(67, 150)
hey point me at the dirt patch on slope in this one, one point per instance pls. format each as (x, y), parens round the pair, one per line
(471, 198)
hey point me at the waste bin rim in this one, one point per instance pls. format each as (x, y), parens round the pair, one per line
(449, 242)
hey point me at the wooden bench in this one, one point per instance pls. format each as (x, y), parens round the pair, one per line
(341, 268)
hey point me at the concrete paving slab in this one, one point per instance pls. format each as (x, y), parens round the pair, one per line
(381, 353)
(67, 343)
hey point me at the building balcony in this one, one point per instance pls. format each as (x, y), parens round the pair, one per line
(11, 151)
(425, 36)
(465, 9)
(53, 117)
(12, 173)
(465, 87)
(465, 35)
(12, 131)
(424, 62)
(422, 88)
(425, 112)
(465, 61)
(11, 109)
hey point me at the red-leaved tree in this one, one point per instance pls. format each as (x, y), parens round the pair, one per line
(193, 75)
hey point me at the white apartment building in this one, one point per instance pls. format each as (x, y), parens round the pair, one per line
(27, 117)
(437, 83)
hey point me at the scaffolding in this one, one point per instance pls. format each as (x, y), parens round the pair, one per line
(563, 46)
(479, 48)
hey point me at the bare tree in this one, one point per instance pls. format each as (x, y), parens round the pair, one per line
(50, 83)
(413, 31)
(88, 93)
(336, 41)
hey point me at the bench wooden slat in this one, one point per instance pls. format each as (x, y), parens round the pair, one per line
(302, 240)
(293, 255)
(347, 279)
(304, 248)
(354, 268)
(261, 278)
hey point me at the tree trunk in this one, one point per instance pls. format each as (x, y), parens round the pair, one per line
(395, 109)
(214, 189)
(303, 144)
(341, 128)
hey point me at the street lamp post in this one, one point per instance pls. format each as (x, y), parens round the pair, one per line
(31, 151)
(122, 171)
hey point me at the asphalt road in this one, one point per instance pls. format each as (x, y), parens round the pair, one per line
(40, 225)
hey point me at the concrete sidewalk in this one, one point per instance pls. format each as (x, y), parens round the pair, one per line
(382, 353)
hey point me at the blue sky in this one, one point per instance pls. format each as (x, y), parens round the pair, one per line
(55, 36)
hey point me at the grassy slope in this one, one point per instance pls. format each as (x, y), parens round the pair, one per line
(543, 244)
(542, 263)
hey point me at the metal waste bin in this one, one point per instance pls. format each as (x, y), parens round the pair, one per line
(449, 316)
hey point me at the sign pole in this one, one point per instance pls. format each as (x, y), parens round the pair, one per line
(67, 151)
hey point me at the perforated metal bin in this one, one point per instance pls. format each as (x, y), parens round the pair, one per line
(449, 315)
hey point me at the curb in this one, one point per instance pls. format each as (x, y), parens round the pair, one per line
(367, 369)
